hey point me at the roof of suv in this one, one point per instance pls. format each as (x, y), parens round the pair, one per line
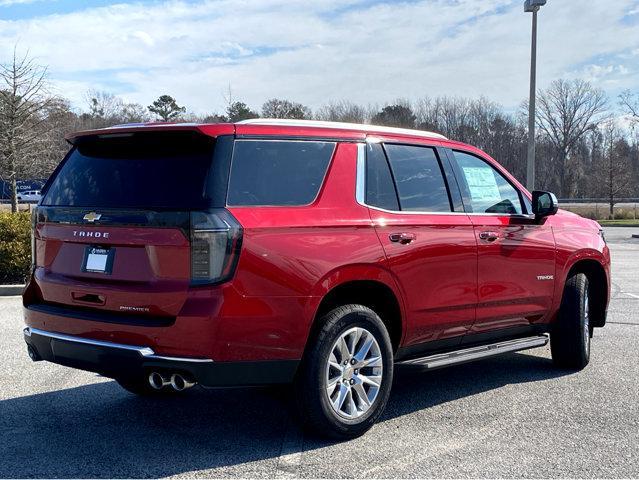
(294, 127)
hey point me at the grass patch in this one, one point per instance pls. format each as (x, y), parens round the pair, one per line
(619, 223)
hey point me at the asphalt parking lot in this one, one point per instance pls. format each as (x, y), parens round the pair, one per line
(510, 416)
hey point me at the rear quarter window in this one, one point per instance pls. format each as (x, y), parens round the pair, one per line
(277, 172)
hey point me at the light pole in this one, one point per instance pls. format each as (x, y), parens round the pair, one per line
(532, 6)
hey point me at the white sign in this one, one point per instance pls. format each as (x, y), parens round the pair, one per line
(97, 260)
(482, 184)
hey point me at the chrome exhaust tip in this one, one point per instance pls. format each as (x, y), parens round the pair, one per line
(157, 381)
(179, 383)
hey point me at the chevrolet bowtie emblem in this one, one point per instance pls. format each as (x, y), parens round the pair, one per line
(92, 217)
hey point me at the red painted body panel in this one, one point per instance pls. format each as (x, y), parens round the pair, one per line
(436, 272)
(212, 130)
(576, 239)
(297, 254)
(509, 290)
(152, 268)
(448, 281)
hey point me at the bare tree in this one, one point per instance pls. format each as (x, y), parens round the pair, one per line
(613, 173)
(480, 122)
(277, 108)
(446, 115)
(104, 107)
(343, 111)
(50, 146)
(566, 111)
(23, 106)
(630, 103)
(132, 113)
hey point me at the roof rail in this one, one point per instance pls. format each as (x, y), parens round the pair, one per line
(341, 125)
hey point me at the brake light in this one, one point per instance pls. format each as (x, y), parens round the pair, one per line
(216, 239)
(34, 218)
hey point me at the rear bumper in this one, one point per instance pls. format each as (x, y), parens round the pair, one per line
(117, 360)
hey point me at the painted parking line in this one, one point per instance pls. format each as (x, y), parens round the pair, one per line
(290, 459)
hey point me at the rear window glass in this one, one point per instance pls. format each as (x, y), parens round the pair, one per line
(145, 170)
(277, 172)
(419, 178)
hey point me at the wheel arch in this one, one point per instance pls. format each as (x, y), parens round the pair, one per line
(597, 287)
(374, 293)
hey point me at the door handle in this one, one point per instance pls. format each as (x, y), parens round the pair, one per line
(403, 238)
(489, 236)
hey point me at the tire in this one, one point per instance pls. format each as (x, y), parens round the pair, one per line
(571, 335)
(337, 400)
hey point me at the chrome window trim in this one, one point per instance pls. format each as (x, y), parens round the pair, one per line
(146, 352)
(360, 190)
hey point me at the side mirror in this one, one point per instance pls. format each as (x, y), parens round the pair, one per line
(544, 203)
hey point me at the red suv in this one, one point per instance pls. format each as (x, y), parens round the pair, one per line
(267, 251)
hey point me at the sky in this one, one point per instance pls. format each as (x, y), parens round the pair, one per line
(317, 51)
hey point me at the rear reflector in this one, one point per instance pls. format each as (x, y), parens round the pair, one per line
(216, 239)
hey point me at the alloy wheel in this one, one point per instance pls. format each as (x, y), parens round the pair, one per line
(354, 371)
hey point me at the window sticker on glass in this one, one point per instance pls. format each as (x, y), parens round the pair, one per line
(481, 183)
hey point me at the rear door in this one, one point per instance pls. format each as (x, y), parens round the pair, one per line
(428, 240)
(516, 254)
(112, 230)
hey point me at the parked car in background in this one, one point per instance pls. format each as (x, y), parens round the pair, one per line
(29, 196)
(321, 254)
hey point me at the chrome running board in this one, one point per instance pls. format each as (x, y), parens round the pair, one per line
(477, 353)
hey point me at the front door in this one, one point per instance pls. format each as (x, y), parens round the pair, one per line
(516, 254)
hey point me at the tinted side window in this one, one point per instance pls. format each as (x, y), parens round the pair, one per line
(418, 175)
(380, 189)
(486, 189)
(274, 172)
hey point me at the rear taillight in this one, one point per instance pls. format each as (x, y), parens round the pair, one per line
(34, 217)
(216, 239)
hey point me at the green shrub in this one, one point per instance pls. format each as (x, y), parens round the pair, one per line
(15, 246)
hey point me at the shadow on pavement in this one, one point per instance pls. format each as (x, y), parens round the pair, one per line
(99, 430)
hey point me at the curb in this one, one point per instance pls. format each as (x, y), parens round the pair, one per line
(11, 290)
